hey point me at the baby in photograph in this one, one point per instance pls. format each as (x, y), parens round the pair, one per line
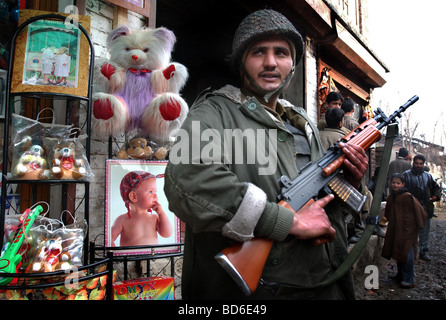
(145, 218)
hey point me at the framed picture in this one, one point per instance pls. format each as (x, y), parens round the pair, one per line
(51, 55)
(139, 6)
(136, 209)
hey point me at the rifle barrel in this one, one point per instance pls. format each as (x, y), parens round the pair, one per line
(384, 121)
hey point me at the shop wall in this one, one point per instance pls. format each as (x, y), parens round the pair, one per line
(311, 81)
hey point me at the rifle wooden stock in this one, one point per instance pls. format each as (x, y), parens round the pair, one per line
(245, 261)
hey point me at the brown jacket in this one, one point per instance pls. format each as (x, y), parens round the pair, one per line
(350, 122)
(406, 216)
(330, 136)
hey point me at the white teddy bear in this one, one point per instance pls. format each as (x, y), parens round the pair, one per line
(143, 85)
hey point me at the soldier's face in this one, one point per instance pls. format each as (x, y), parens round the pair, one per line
(268, 62)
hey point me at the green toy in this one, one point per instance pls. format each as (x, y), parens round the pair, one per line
(10, 258)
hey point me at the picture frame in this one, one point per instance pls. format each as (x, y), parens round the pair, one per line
(118, 216)
(51, 55)
(142, 7)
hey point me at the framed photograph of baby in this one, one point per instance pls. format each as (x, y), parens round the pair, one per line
(137, 216)
(51, 55)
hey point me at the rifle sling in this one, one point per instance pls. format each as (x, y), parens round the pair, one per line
(346, 265)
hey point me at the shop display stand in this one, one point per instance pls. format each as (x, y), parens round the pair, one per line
(97, 254)
(125, 259)
(37, 96)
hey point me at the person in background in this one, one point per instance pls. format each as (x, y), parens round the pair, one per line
(47, 63)
(62, 65)
(406, 217)
(372, 186)
(423, 187)
(349, 108)
(430, 207)
(332, 132)
(224, 201)
(334, 100)
(399, 165)
(372, 183)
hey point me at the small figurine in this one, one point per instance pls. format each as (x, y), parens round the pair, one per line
(65, 163)
(31, 164)
(50, 256)
(137, 149)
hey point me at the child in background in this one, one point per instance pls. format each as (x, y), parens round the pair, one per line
(406, 216)
(145, 217)
(333, 132)
(47, 63)
(62, 65)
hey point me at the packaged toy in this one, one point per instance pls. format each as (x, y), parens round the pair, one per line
(50, 256)
(31, 163)
(68, 158)
(143, 84)
(58, 246)
(29, 154)
(11, 254)
(65, 164)
(153, 288)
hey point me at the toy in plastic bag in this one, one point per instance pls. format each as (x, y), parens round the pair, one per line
(30, 162)
(29, 156)
(27, 248)
(58, 246)
(68, 158)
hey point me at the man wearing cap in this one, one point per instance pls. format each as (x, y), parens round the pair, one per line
(422, 186)
(224, 201)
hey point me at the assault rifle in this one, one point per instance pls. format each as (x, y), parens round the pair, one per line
(245, 261)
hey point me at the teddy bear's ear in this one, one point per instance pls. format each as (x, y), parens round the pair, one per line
(116, 33)
(167, 36)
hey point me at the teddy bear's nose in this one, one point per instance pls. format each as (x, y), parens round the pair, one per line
(135, 57)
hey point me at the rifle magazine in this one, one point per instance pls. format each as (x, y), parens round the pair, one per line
(347, 193)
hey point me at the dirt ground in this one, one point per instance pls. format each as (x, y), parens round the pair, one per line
(430, 277)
